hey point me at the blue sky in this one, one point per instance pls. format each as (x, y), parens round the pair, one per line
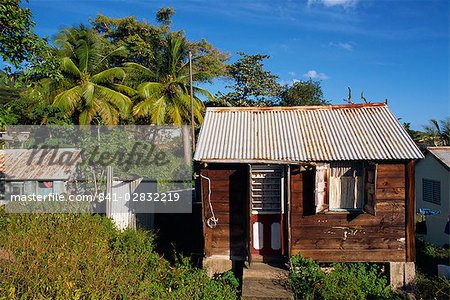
(395, 50)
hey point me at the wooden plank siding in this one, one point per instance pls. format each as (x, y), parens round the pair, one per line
(347, 237)
(229, 194)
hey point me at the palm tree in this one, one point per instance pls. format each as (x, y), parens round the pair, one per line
(163, 94)
(90, 89)
(438, 133)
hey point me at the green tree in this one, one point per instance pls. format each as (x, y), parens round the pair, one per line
(146, 44)
(252, 85)
(163, 96)
(30, 55)
(90, 89)
(437, 133)
(164, 14)
(17, 37)
(302, 93)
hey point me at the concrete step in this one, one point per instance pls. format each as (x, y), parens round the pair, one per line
(266, 281)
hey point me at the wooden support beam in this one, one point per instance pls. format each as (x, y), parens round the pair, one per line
(410, 212)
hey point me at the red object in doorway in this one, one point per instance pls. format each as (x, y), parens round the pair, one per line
(267, 234)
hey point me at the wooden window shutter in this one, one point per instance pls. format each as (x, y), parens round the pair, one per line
(321, 191)
(370, 180)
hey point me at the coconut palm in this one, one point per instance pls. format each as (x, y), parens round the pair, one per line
(90, 89)
(163, 94)
(438, 133)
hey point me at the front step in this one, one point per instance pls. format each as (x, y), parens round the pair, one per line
(266, 281)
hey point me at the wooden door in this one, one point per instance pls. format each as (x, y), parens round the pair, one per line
(267, 182)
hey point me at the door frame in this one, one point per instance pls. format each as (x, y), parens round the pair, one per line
(284, 214)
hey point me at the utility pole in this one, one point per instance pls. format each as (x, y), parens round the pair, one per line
(192, 101)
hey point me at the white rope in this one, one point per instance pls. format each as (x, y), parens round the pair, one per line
(211, 222)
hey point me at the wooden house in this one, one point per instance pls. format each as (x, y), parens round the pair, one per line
(334, 183)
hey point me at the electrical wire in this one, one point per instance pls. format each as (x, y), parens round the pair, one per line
(211, 222)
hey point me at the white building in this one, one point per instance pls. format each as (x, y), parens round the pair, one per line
(432, 192)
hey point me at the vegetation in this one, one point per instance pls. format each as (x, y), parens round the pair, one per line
(81, 256)
(163, 97)
(302, 93)
(428, 285)
(17, 38)
(367, 281)
(252, 85)
(437, 133)
(343, 281)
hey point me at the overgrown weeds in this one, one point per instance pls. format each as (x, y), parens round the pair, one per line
(82, 256)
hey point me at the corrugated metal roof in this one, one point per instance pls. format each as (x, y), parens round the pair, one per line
(23, 164)
(441, 153)
(302, 134)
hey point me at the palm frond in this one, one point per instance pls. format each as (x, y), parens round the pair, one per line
(88, 94)
(143, 108)
(124, 89)
(149, 89)
(119, 100)
(158, 112)
(203, 92)
(117, 51)
(174, 114)
(68, 66)
(107, 113)
(68, 99)
(82, 52)
(139, 71)
(86, 116)
(109, 75)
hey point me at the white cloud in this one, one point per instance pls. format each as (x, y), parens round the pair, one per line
(343, 45)
(313, 74)
(292, 74)
(330, 3)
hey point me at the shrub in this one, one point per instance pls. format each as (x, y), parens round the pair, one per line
(355, 281)
(429, 256)
(306, 277)
(431, 287)
(344, 281)
(82, 256)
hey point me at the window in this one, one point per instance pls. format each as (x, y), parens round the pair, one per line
(346, 187)
(267, 188)
(431, 191)
(45, 188)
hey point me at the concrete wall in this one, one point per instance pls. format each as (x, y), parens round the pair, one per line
(431, 168)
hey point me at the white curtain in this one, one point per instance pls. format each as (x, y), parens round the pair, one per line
(346, 185)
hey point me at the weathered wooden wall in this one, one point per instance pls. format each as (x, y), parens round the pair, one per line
(352, 237)
(229, 200)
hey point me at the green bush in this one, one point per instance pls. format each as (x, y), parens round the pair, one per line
(355, 281)
(427, 284)
(306, 278)
(82, 256)
(343, 281)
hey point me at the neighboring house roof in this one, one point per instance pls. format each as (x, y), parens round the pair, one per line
(21, 164)
(442, 154)
(304, 133)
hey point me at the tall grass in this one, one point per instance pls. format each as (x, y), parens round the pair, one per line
(82, 256)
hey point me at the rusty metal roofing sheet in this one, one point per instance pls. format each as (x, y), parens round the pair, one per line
(22, 164)
(441, 153)
(302, 134)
